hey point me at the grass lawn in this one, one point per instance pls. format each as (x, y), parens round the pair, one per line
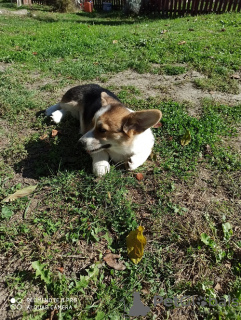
(53, 241)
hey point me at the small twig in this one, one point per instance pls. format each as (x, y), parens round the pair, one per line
(71, 256)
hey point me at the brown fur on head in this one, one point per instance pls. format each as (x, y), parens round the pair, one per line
(109, 125)
(120, 123)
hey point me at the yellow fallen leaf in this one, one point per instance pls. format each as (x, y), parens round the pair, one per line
(136, 242)
(20, 193)
(186, 138)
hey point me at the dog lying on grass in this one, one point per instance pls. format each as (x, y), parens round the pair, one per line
(109, 129)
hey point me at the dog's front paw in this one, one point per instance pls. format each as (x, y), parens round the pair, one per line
(131, 165)
(101, 168)
(56, 116)
(136, 161)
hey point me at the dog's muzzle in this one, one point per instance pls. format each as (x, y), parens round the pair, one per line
(89, 149)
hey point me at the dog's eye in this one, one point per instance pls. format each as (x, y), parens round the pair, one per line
(102, 130)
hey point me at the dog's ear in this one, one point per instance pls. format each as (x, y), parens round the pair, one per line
(139, 121)
(106, 99)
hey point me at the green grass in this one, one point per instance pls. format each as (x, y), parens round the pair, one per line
(53, 241)
(61, 45)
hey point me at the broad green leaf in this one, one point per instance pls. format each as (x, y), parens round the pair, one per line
(93, 271)
(186, 138)
(227, 230)
(6, 213)
(136, 242)
(20, 193)
(100, 315)
(205, 238)
(208, 241)
(44, 274)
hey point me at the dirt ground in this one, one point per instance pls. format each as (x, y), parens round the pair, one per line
(179, 88)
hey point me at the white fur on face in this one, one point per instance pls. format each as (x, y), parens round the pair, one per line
(101, 112)
(92, 144)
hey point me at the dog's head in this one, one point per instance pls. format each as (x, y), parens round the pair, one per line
(114, 125)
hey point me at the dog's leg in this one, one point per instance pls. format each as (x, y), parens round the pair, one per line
(100, 163)
(51, 109)
(58, 115)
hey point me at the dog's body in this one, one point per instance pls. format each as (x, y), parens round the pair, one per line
(110, 130)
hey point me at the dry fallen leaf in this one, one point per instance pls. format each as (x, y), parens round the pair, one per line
(43, 137)
(139, 176)
(182, 42)
(235, 76)
(228, 265)
(20, 193)
(54, 133)
(60, 269)
(136, 242)
(110, 259)
(217, 287)
(186, 138)
(115, 41)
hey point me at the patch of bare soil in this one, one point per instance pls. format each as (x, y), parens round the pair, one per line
(21, 12)
(179, 88)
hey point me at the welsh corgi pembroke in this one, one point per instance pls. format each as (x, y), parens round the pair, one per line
(109, 129)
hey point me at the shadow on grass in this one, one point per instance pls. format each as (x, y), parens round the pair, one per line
(113, 18)
(57, 151)
(90, 20)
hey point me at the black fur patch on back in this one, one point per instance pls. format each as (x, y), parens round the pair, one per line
(89, 96)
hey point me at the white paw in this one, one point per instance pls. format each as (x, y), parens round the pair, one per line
(51, 109)
(101, 168)
(137, 160)
(132, 165)
(57, 116)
